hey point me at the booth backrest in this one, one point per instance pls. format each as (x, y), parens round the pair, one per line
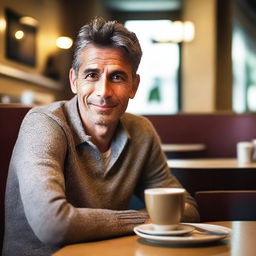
(219, 132)
(10, 117)
(227, 205)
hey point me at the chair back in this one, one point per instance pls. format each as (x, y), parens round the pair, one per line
(11, 116)
(226, 205)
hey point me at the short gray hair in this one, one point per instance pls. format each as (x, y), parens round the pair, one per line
(110, 34)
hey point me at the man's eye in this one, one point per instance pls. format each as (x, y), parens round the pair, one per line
(92, 76)
(117, 78)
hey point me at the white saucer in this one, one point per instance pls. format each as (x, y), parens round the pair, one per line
(194, 237)
(150, 230)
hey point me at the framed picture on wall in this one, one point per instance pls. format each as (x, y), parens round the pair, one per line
(20, 38)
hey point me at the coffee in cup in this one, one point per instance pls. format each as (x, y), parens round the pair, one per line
(165, 207)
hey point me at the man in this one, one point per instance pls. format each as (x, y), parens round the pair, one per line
(77, 163)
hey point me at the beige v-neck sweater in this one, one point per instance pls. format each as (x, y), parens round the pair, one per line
(59, 190)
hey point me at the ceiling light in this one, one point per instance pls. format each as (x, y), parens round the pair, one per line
(188, 31)
(2, 24)
(19, 34)
(175, 32)
(26, 20)
(64, 42)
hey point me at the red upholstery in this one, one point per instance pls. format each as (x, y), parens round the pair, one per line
(11, 117)
(219, 132)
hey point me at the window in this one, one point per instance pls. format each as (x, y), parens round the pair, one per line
(244, 73)
(158, 91)
(244, 56)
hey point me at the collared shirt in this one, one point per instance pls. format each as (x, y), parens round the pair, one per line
(59, 191)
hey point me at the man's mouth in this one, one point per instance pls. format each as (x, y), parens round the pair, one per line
(104, 107)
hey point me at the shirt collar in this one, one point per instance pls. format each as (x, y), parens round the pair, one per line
(75, 122)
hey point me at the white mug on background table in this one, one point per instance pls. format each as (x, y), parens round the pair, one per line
(244, 152)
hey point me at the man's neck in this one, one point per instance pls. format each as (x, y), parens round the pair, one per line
(101, 136)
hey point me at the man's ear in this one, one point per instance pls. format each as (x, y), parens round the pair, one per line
(135, 86)
(73, 80)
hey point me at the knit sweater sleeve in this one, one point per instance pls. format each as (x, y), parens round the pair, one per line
(38, 161)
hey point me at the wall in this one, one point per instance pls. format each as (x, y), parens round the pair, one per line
(198, 57)
(48, 14)
(224, 75)
(56, 18)
(220, 132)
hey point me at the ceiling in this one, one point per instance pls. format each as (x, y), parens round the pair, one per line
(143, 5)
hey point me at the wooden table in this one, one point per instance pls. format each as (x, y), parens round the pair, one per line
(213, 174)
(183, 147)
(241, 243)
(178, 151)
(209, 163)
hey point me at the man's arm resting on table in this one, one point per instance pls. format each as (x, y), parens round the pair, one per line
(42, 188)
(190, 213)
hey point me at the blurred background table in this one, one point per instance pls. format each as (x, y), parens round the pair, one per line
(210, 163)
(241, 243)
(213, 174)
(179, 151)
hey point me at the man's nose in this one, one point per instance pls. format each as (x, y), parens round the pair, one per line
(104, 88)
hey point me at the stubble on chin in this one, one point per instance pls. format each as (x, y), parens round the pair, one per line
(100, 118)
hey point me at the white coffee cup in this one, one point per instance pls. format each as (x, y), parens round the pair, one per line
(165, 207)
(244, 152)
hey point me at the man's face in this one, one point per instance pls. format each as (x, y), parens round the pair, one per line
(104, 85)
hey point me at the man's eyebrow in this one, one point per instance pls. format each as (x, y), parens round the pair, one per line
(119, 72)
(89, 70)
